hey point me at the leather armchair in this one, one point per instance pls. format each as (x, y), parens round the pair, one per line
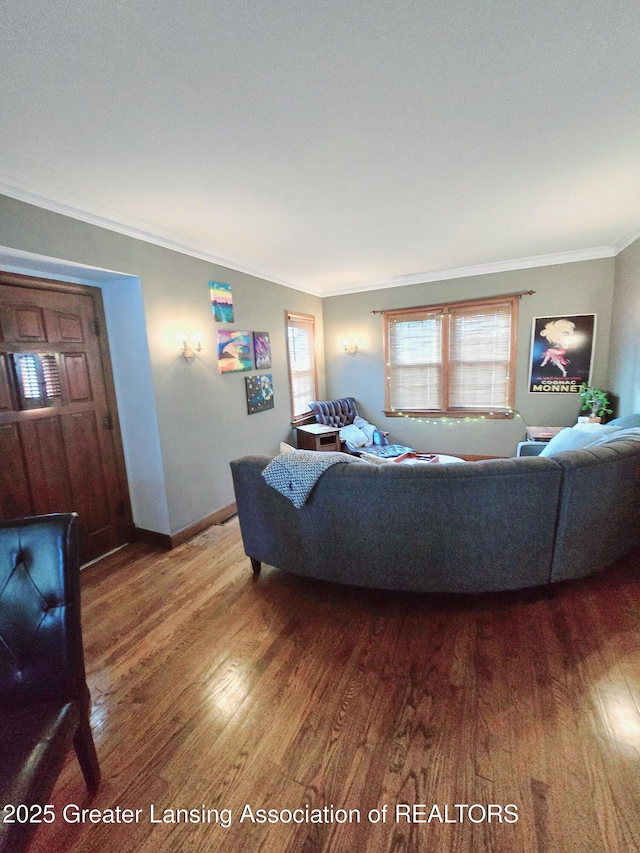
(339, 413)
(44, 698)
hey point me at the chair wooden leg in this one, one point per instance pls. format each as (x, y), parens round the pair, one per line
(256, 565)
(87, 757)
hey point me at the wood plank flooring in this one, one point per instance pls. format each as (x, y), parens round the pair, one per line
(216, 691)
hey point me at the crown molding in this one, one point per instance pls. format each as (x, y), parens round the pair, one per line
(485, 269)
(626, 241)
(84, 210)
(81, 209)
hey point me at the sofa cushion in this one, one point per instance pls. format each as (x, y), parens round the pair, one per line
(598, 516)
(626, 421)
(577, 437)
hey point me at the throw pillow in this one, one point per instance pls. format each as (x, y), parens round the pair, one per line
(576, 437)
(367, 428)
(626, 421)
(353, 435)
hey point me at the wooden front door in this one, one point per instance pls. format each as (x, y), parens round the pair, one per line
(60, 446)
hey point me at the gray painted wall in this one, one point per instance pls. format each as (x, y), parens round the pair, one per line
(624, 365)
(202, 420)
(579, 288)
(200, 416)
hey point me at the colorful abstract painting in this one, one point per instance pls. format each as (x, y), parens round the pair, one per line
(235, 351)
(262, 350)
(221, 301)
(259, 393)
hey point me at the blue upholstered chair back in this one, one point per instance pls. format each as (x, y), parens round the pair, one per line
(335, 413)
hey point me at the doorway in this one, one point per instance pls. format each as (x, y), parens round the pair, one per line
(60, 441)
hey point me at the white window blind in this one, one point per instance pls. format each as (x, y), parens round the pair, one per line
(455, 358)
(479, 357)
(302, 364)
(415, 362)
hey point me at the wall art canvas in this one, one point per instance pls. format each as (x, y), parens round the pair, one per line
(221, 301)
(259, 393)
(262, 350)
(235, 351)
(561, 353)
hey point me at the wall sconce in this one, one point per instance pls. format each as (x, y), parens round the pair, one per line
(189, 345)
(350, 345)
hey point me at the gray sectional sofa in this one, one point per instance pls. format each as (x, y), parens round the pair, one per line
(497, 524)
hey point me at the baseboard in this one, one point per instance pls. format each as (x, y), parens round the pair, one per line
(151, 537)
(169, 541)
(218, 517)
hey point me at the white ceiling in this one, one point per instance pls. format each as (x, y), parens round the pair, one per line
(331, 145)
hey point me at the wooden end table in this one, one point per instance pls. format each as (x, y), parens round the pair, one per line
(318, 437)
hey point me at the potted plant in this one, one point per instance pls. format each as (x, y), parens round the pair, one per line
(595, 401)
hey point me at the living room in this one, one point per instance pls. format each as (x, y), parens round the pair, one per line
(183, 422)
(565, 231)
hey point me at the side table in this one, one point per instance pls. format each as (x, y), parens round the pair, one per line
(318, 437)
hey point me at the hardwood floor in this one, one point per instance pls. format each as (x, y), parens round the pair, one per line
(214, 690)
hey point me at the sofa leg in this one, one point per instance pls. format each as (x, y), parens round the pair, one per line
(256, 565)
(86, 752)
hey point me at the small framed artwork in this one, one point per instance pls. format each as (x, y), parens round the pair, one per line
(235, 351)
(259, 393)
(262, 350)
(221, 301)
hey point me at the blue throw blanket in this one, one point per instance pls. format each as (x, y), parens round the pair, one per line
(294, 474)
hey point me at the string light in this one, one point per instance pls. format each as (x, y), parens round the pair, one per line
(510, 414)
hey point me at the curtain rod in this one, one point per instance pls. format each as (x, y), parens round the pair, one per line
(519, 294)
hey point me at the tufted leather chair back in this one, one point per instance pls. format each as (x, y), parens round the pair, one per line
(335, 413)
(41, 654)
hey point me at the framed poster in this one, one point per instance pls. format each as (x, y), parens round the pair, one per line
(262, 350)
(221, 301)
(235, 351)
(561, 353)
(259, 393)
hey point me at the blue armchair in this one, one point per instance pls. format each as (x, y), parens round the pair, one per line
(340, 413)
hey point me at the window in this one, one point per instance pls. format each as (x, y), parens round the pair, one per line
(37, 380)
(302, 363)
(452, 359)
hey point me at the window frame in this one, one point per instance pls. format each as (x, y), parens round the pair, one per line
(447, 310)
(310, 321)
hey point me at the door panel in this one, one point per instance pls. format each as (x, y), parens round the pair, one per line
(22, 323)
(15, 497)
(77, 376)
(89, 493)
(5, 393)
(46, 464)
(70, 328)
(59, 435)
